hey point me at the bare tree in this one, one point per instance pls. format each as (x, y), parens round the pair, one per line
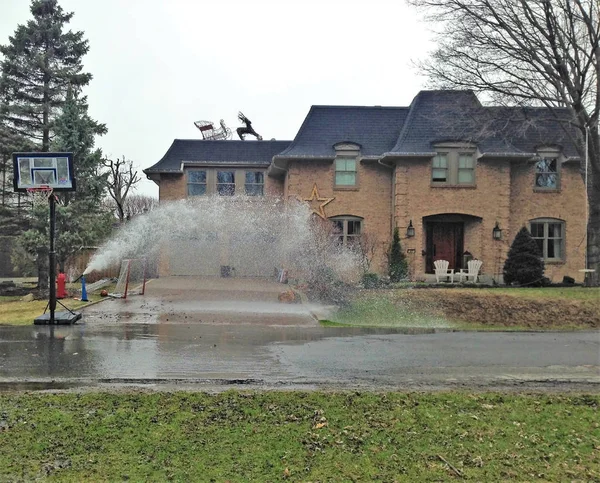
(122, 177)
(366, 249)
(139, 204)
(523, 53)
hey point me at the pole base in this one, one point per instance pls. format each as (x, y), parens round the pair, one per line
(60, 318)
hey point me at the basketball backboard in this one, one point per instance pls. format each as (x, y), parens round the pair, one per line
(41, 170)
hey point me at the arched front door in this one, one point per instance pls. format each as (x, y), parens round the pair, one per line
(444, 242)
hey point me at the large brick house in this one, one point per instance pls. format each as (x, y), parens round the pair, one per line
(457, 178)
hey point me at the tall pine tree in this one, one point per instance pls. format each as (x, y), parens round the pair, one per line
(41, 62)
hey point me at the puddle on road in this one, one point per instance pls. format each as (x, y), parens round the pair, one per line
(156, 350)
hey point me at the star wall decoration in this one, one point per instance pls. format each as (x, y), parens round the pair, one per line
(318, 203)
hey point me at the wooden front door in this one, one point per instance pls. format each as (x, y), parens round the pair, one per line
(444, 242)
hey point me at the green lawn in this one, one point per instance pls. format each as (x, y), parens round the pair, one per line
(273, 436)
(15, 312)
(550, 308)
(374, 310)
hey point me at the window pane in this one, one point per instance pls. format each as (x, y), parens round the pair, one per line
(548, 180)
(226, 189)
(350, 164)
(345, 178)
(338, 226)
(537, 230)
(465, 176)
(439, 175)
(197, 176)
(546, 166)
(353, 227)
(225, 176)
(546, 173)
(553, 248)
(255, 177)
(465, 161)
(554, 230)
(540, 244)
(196, 189)
(440, 161)
(345, 164)
(254, 189)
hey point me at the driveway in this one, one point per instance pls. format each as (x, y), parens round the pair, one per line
(206, 300)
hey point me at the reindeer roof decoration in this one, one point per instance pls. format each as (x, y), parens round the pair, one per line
(248, 129)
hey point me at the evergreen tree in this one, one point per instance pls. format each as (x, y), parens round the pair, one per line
(524, 265)
(398, 265)
(81, 218)
(41, 62)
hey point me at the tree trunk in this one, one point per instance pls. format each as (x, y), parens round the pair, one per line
(594, 233)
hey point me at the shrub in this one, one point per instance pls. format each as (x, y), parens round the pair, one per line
(524, 264)
(370, 280)
(398, 265)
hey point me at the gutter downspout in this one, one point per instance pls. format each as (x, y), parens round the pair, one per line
(285, 171)
(393, 197)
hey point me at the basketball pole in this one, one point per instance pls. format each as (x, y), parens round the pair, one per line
(52, 258)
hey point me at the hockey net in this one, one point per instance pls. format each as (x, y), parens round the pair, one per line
(132, 278)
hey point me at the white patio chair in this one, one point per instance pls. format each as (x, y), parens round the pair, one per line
(442, 271)
(472, 272)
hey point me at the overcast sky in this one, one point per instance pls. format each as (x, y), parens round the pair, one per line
(160, 65)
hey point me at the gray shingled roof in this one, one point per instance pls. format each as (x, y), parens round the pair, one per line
(256, 153)
(375, 128)
(438, 116)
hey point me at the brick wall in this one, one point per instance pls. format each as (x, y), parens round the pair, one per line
(172, 187)
(371, 200)
(503, 194)
(568, 204)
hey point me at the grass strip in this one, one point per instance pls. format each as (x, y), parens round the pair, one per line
(15, 312)
(316, 436)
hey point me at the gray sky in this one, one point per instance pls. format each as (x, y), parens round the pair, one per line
(160, 65)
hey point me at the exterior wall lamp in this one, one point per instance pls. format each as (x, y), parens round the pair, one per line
(497, 232)
(410, 231)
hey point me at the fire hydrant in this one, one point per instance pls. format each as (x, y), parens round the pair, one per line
(61, 286)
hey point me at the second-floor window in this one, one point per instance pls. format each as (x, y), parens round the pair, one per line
(453, 168)
(345, 172)
(546, 173)
(196, 183)
(226, 183)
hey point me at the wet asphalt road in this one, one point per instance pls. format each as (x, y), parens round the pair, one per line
(217, 356)
(193, 333)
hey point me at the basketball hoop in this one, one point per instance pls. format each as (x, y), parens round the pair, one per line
(40, 194)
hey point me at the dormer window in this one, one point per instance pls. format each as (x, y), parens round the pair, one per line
(345, 171)
(346, 164)
(454, 165)
(547, 173)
